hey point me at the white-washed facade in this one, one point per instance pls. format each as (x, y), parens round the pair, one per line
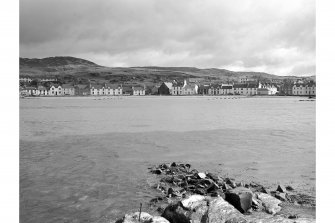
(245, 89)
(68, 90)
(55, 90)
(307, 89)
(138, 91)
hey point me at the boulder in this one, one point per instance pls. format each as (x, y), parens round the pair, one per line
(175, 213)
(231, 182)
(281, 196)
(202, 175)
(225, 186)
(289, 188)
(145, 218)
(270, 203)
(194, 201)
(240, 198)
(281, 189)
(220, 210)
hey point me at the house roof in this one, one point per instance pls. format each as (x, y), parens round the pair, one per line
(226, 87)
(112, 86)
(67, 86)
(190, 86)
(203, 87)
(41, 88)
(30, 88)
(96, 86)
(168, 84)
(178, 84)
(248, 85)
(262, 89)
(54, 85)
(82, 86)
(126, 88)
(138, 88)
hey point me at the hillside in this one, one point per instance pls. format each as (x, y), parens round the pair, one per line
(76, 68)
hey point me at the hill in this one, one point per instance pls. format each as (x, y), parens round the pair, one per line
(76, 68)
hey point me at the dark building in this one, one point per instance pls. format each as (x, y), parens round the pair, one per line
(165, 88)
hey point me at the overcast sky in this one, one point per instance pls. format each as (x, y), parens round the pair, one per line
(274, 36)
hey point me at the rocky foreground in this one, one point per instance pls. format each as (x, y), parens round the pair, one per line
(192, 196)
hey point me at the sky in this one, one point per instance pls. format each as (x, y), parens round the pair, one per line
(273, 36)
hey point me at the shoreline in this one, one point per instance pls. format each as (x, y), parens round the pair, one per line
(185, 193)
(170, 96)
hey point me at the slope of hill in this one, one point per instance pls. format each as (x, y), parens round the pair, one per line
(77, 68)
(54, 62)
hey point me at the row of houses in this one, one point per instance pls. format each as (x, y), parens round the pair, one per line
(175, 88)
(81, 89)
(169, 88)
(304, 89)
(27, 79)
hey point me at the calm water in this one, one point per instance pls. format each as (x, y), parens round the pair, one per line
(86, 160)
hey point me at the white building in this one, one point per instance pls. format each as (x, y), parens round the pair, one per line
(41, 91)
(304, 89)
(25, 79)
(139, 91)
(68, 89)
(96, 89)
(55, 90)
(189, 88)
(113, 89)
(245, 89)
(30, 91)
(226, 90)
(246, 79)
(48, 79)
(176, 88)
(272, 89)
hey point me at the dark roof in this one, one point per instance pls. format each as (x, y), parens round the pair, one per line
(177, 84)
(112, 86)
(82, 86)
(227, 87)
(126, 88)
(203, 87)
(30, 88)
(96, 86)
(138, 88)
(249, 85)
(67, 86)
(262, 89)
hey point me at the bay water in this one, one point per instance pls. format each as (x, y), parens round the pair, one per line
(86, 159)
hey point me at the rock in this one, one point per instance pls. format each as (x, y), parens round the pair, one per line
(270, 203)
(231, 182)
(202, 175)
(145, 217)
(213, 177)
(200, 191)
(281, 189)
(236, 220)
(194, 201)
(281, 196)
(221, 211)
(264, 190)
(226, 186)
(293, 216)
(256, 204)
(174, 213)
(240, 198)
(173, 164)
(157, 171)
(289, 188)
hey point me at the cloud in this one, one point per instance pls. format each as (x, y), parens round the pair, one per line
(271, 36)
